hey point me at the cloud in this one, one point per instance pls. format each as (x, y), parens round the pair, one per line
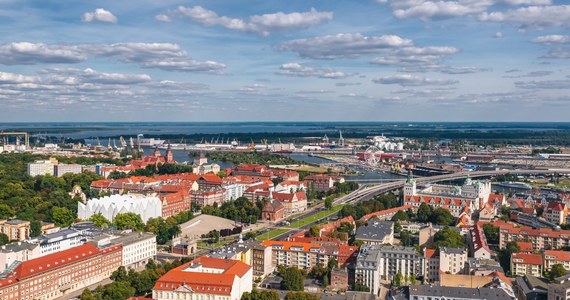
(342, 84)
(411, 80)
(531, 74)
(92, 76)
(552, 39)
(343, 45)
(437, 9)
(163, 18)
(99, 15)
(164, 56)
(11, 78)
(545, 84)
(297, 70)
(260, 24)
(558, 53)
(532, 17)
(498, 35)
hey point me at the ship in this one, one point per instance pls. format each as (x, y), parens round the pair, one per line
(514, 185)
(148, 142)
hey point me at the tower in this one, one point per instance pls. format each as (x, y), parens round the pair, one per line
(410, 186)
(169, 158)
(156, 152)
(341, 139)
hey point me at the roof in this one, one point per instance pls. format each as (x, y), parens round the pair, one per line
(478, 239)
(527, 259)
(458, 292)
(58, 259)
(190, 275)
(525, 246)
(555, 206)
(558, 255)
(375, 231)
(385, 212)
(291, 246)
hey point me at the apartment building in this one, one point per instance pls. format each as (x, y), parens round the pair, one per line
(553, 257)
(397, 259)
(16, 230)
(526, 264)
(445, 260)
(367, 268)
(540, 238)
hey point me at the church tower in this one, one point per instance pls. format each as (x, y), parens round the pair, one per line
(169, 158)
(410, 186)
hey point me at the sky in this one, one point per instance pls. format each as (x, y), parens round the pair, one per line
(276, 60)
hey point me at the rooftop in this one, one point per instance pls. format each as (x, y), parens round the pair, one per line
(375, 230)
(458, 292)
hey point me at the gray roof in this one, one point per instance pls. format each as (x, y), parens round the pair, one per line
(375, 230)
(398, 250)
(458, 292)
(17, 222)
(367, 254)
(58, 236)
(132, 237)
(18, 246)
(531, 284)
(452, 250)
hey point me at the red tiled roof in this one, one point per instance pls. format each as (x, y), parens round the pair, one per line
(525, 246)
(555, 206)
(503, 277)
(286, 245)
(431, 253)
(199, 282)
(385, 212)
(529, 231)
(559, 255)
(527, 259)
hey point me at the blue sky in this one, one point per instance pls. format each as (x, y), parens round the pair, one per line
(275, 60)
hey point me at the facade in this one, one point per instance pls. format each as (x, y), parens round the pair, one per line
(110, 206)
(261, 261)
(205, 278)
(234, 190)
(367, 269)
(272, 211)
(42, 167)
(293, 202)
(138, 248)
(559, 289)
(16, 230)
(376, 233)
(56, 275)
(541, 238)
(62, 169)
(296, 254)
(339, 279)
(58, 241)
(556, 212)
(205, 197)
(553, 257)
(526, 264)
(478, 243)
(445, 260)
(397, 259)
(386, 214)
(320, 182)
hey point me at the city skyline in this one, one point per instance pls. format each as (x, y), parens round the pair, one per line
(382, 60)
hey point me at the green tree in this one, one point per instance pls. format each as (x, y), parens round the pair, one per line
(100, 220)
(424, 212)
(62, 216)
(448, 237)
(506, 253)
(400, 216)
(4, 239)
(118, 290)
(398, 279)
(260, 295)
(35, 228)
(441, 216)
(345, 227)
(292, 279)
(315, 231)
(556, 270)
(328, 203)
(120, 274)
(405, 238)
(128, 220)
(491, 233)
(6, 211)
(301, 296)
(87, 295)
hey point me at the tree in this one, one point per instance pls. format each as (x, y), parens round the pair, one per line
(87, 295)
(424, 212)
(400, 216)
(556, 270)
(128, 220)
(506, 253)
(398, 279)
(100, 220)
(442, 216)
(260, 295)
(4, 239)
(328, 203)
(345, 227)
(120, 274)
(6, 211)
(35, 228)
(292, 279)
(301, 296)
(118, 290)
(315, 231)
(491, 233)
(448, 237)
(62, 216)
(406, 238)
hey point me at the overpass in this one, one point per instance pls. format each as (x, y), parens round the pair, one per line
(370, 192)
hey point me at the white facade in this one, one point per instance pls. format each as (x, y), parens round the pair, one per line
(138, 248)
(17, 251)
(233, 190)
(110, 206)
(62, 169)
(367, 270)
(397, 259)
(452, 260)
(41, 167)
(58, 241)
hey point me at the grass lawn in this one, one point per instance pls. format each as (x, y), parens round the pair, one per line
(317, 216)
(271, 234)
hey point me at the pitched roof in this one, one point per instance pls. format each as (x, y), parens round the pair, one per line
(557, 255)
(291, 246)
(527, 259)
(525, 246)
(385, 212)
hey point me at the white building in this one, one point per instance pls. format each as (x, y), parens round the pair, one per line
(62, 169)
(367, 269)
(59, 241)
(138, 248)
(397, 259)
(42, 167)
(205, 278)
(452, 260)
(233, 190)
(17, 251)
(110, 206)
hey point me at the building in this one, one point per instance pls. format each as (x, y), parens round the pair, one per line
(205, 278)
(62, 169)
(210, 196)
(427, 233)
(376, 233)
(59, 241)
(206, 168)
(386, 214)
(526, 264)
(478, 243)
(138, 248)
(17, 251)
(320, 182)
(553, 257)
(339, 279)
(531, 288)
(302, 255)
(16, 230)
(59, 274)
(110, 206)
(541, 238)
(42, 167)
(559, 289)
(556, 212)
(397, 259)
(293, 202)
(261, 260)
(367, 269)
(444, 260)
(424, 292)
(272, 211)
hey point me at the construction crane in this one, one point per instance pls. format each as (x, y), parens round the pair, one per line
(109, 145)
(132, 142)
(98, 142)
(17, 133)
(123, 142)
(252, 145)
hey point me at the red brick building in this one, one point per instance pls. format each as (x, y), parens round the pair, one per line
(273, 211)
(58, 274)
(208, 197)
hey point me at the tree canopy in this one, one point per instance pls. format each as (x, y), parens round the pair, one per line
(292, 279)
(301, 296)
(129, 220)
(448, 237)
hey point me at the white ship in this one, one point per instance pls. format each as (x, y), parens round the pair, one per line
(148, 142)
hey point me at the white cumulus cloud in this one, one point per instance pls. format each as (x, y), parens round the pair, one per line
(99, 15)
(298, 70)
(532, 17)
(412, 80)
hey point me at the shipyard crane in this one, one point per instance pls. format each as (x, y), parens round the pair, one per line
(132, 142)
(123, 142)
(109, 145)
